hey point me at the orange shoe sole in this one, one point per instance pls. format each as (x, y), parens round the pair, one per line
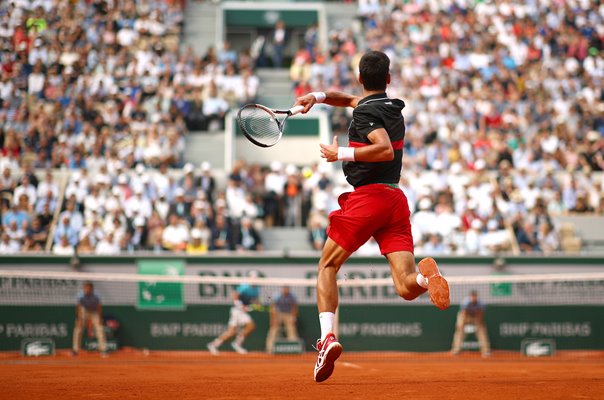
(438, 287)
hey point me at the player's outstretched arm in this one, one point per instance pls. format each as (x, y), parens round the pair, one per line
(336, 99)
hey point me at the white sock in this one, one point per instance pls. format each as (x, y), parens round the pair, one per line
(326, 321)
(239, 339)
(421, 280)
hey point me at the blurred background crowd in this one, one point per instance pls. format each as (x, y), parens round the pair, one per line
(504, 116)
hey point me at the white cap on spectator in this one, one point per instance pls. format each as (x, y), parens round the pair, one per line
(196, 233)
(161, 193)
(492, 225)
(592, 136)
(76, 176)
(140, 168)
(119, 164)
(472, 204)
(455, 168)
(145, 179)
(425, 204)
(122, 179)
(139, 221)
(188, 168)
(424, 191)
(291, 169)
(276, 166)
(476, 224)
(206, 166)
(516, 196)
(138, 189)
(480, 164)
(115, 191)
(438, 165)
(179, 192)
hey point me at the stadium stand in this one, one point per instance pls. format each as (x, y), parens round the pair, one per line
(504, 129)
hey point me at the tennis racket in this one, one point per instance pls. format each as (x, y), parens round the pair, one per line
(260, 124)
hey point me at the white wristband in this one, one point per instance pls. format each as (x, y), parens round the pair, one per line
(319, 96)
(346, 153)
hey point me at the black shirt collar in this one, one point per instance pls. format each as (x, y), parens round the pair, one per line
(373, 97)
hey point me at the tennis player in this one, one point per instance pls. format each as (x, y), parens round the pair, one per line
(377, 207)
(241, 324)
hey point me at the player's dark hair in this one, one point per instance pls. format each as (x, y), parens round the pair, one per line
(374, 68)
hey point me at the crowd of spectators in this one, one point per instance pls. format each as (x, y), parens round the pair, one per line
(99, 87)
(186, 210)
(507, 87)
(90, 82)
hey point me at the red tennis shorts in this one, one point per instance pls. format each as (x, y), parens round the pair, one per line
(376, 210)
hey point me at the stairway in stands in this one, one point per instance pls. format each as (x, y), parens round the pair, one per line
(276, 88)
(200, 30)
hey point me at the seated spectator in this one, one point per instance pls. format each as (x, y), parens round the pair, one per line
(25, 188)
(196, 245)
(214, 109)
(65, 230)
(63, 246)
(176, 235)
(180, 207)
(47, 199)
(37, 232)
(45, 216)
(107, 245)
(549, 242)
(138, 237)
(527, 238)
(582, 205)
(7, 183)
(16, 233)
(76, 220)
(84, 246)
(434, 245)
(8, 246)
(317, 233)
(222, 236)
(30, 246)
(248, 238)
(15, 214)
(155, 228)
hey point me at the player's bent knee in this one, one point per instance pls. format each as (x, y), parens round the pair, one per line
(403, 292)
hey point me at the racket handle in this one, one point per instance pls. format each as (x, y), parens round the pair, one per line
(295, 110)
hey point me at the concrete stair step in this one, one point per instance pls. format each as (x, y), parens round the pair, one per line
(273, 73)
(285, 239)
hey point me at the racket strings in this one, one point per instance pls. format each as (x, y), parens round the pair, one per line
(260, 125)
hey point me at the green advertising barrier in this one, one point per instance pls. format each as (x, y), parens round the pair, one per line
(296, 127)
(160, 295)
(267, 18)
(362, 328)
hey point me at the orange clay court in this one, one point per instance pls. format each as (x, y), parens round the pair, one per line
(172, 376)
